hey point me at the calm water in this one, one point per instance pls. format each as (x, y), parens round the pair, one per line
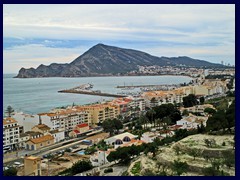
(40, 94)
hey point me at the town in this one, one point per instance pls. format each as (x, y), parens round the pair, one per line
(183, 130)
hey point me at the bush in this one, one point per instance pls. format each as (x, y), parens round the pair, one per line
(68, 150)
(108, 170)
(10, 172)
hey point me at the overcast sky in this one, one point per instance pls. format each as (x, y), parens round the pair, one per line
(43, 34)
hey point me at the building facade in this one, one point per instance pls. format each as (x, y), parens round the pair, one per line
(11, 134)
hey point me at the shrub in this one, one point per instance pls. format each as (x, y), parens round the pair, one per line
(108, 170)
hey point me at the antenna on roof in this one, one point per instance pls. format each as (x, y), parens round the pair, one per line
(40, 119)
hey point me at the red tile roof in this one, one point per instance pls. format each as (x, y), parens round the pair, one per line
(82, 125)
(76, 131)
(42, 139)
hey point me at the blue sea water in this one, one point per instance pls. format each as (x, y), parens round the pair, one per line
(36, 95)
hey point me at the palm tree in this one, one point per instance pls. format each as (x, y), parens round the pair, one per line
(152, 112)
(143, 120)
(9, 111)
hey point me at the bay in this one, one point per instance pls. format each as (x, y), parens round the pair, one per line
(36, 95)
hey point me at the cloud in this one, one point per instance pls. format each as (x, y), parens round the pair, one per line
(33, 55)
(197, 30)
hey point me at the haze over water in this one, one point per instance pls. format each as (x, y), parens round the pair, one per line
(36, 95)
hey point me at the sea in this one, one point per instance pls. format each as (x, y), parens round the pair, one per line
(37, 95)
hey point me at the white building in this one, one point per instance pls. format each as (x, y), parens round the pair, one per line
(99, 158)
(192, 121)
(26, 120)
(10, 133)
(58, 135)
(120, 139)
(24, 137)
(148, 137)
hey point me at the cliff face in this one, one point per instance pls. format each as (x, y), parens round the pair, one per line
(108, 60)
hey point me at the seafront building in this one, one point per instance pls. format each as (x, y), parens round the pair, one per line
(11, 133)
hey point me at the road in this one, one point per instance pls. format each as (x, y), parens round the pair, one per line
(9, 159)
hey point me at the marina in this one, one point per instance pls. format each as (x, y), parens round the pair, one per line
(163, 87)
(86, 89)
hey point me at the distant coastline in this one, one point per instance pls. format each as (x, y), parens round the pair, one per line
(14, 76)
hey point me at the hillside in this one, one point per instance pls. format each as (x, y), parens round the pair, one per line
(200, 158)
(102, 60)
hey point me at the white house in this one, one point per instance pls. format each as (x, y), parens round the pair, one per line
(120, 139)
(192, 121)
(99, 158)
(26, 120)
(58, 135)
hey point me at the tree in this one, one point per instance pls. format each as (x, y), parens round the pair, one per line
(143, 120)
(185, 112)
(210, 111)
(108, 126)
(201, 128)
(228, 158)
(194, 152)
(9, 111)
(202, 99)
(151, 113)
(179, 167)
(10, 172)
(117, 124)
(176, 149)
(217, 121)
(151, 147)
(190, 100)
(153, 101)
(81, 166)
(167, 110)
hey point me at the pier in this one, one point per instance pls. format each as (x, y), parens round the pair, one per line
(85, 89)
(138, 86)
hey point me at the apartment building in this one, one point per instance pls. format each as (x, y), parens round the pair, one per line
(65, 119)
(11, 134)
(198, 108)
(100, 112)
(27, 121)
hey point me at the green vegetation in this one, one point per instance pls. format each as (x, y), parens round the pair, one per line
(112, 125)
(222, 119)
(108, 170)
(136, 168)
(76, 168)
(179, 167)
(10, 172)
(9, 111)
(169, 112)
(190, 100)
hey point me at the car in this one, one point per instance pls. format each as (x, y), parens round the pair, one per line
(45, 156)
(5, 168)
(17, 163)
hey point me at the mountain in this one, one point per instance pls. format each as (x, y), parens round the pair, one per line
(102, 60)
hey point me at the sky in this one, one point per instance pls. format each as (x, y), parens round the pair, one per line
(51, 33)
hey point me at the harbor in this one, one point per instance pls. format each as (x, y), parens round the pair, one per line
(86, 89)
(163, 87)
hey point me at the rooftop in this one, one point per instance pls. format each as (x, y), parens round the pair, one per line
(9, 120)
(42, 127)
(42, 139)
(82, 125)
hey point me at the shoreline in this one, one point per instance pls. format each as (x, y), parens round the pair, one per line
(184, 75)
